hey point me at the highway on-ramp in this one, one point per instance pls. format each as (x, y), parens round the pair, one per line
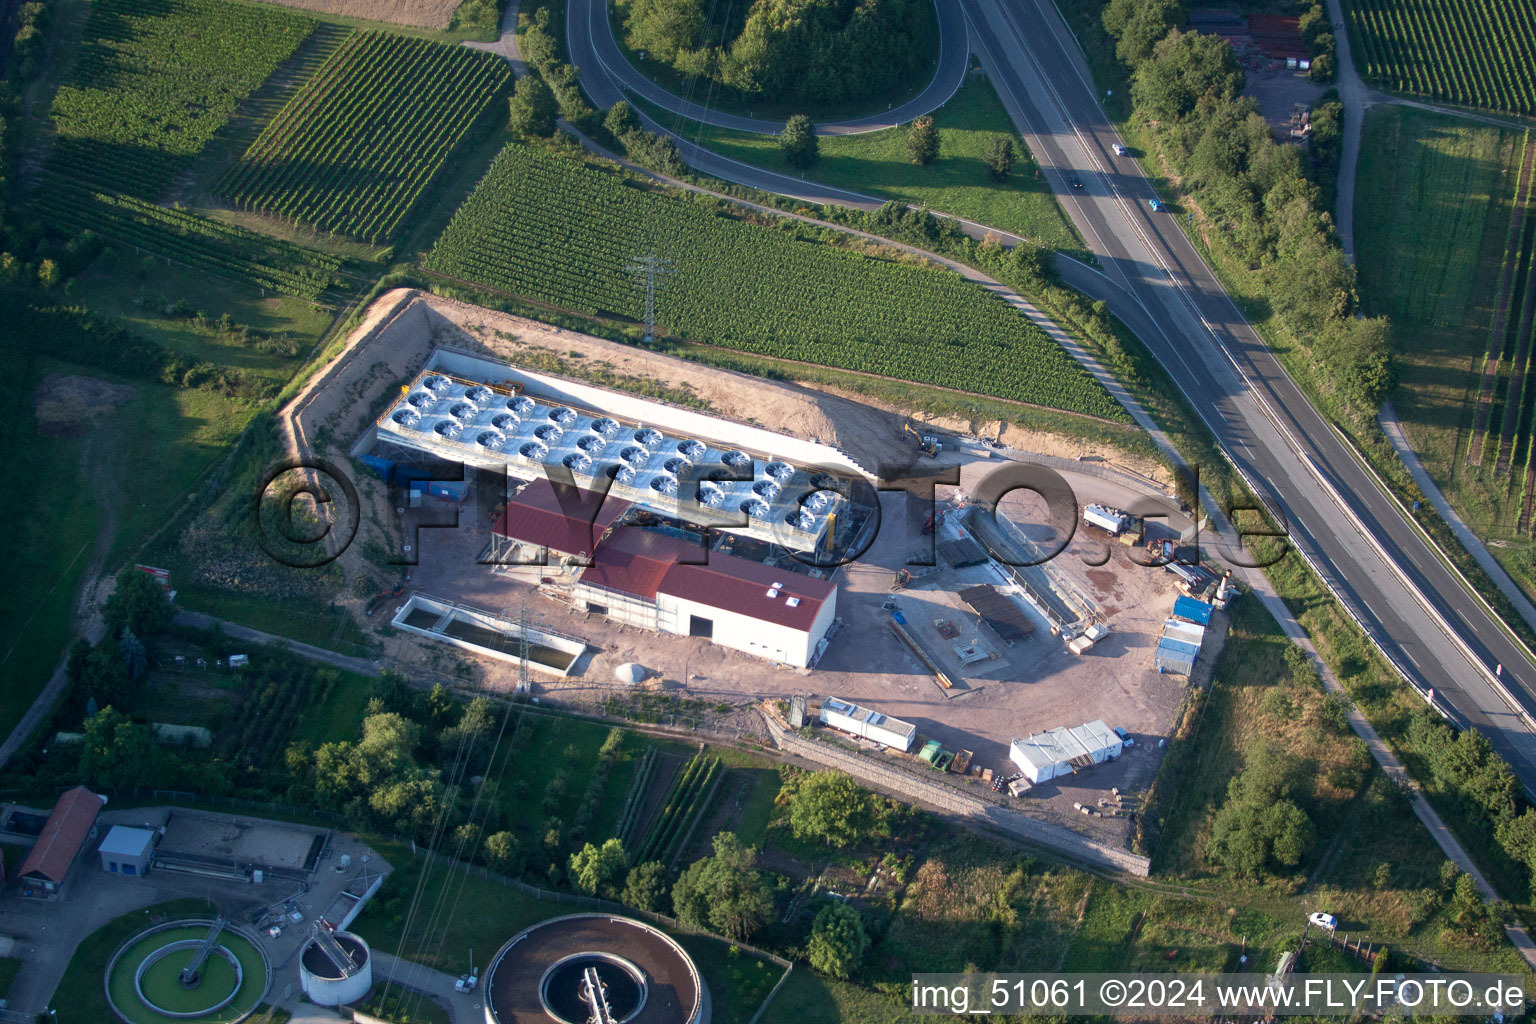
(1375, 561)
(589, 20)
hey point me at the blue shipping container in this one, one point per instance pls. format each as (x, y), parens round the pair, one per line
(380, 465)
(453, 490)
(1196, 611)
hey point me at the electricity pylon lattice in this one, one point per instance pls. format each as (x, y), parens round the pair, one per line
(653, 271)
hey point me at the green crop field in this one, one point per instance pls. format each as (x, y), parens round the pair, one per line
(156, 79)
(154, 83)
(1440, 207)
(193, 241)
(562, 233)
(353, 151)
(1481, 53)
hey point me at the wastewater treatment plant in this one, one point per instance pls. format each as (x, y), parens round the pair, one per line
(191, 970)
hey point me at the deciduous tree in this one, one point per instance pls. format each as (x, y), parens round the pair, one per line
(598, 870)
(646, 887)
(1000, 157)
(533, 107)
(798, 142)
(838, 941)
(725, 891)
(832, 807)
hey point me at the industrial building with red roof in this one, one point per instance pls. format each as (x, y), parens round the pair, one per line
(666, 579)
(658, 580)
(561, 518)
(59, 843)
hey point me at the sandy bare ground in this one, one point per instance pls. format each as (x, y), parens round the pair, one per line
(420, 13)
(64, 404)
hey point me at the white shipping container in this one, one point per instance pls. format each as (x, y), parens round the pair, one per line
(867, 723)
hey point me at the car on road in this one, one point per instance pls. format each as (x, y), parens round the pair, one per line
(1119, 150)
(1076, 182)
(1322, 920)
(1125, 738)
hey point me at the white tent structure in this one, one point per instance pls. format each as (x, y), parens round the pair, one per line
(1063, 750)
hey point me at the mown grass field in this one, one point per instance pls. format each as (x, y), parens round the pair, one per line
(1432, 214)
(956, 182)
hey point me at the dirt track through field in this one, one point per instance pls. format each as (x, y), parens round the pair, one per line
(418, 13)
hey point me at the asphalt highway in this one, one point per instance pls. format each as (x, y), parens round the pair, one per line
(1154, 280)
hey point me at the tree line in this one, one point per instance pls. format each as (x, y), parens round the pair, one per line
(1257, 195)
(789, 51)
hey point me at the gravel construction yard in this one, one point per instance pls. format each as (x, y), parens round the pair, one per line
(1034, 685)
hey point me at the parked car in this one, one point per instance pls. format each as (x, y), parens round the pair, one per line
(1322, 920)
(1125, 737)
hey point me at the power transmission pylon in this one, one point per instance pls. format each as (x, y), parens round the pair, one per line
(649, 268)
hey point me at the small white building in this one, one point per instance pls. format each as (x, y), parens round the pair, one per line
(868, 724)
(127, 851)
(1061, 751)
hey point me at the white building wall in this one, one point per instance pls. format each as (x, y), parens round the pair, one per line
(748, 634)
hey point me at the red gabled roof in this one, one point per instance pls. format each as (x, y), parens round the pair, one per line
(65, 832)
(645, 563)
(1277, 35)
(561, 517)
(634, 561)
(750, 588)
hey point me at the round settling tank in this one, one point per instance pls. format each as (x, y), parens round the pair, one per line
(330, 983)
(543, 975)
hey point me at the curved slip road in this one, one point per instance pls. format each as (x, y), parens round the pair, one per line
(594, 49)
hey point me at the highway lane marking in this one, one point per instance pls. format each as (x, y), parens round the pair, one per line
(1260, 399)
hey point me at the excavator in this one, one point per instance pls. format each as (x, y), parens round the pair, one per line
(924, 445)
